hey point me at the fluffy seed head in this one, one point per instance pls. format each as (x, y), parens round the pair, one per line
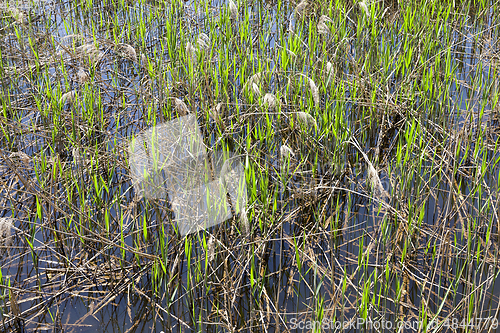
(210, 254)
(22, 156)
(324, 18)
(73, 40)
(323, 29)
(216, 112)
(312, 86)
(68, 98)
(314, 92)
(82, 76)
(77, 157)
(270, 100)
(244, 224)
(181, 107)
(300, 9)
(127, 51)
(306, 119)
(17, 15)
(286, 152)
(6, 226)
(256, 78)
(89, 51)
(233, 10)
(256, 89)
(203, 41)
(364, 7)
(253, 84)
(375, 183)
(191, 52)
(328, 72)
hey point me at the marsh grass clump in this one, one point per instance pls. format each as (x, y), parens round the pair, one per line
(368, 139)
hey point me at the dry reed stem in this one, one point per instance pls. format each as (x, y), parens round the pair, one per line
(373, 180)
(291, 54)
